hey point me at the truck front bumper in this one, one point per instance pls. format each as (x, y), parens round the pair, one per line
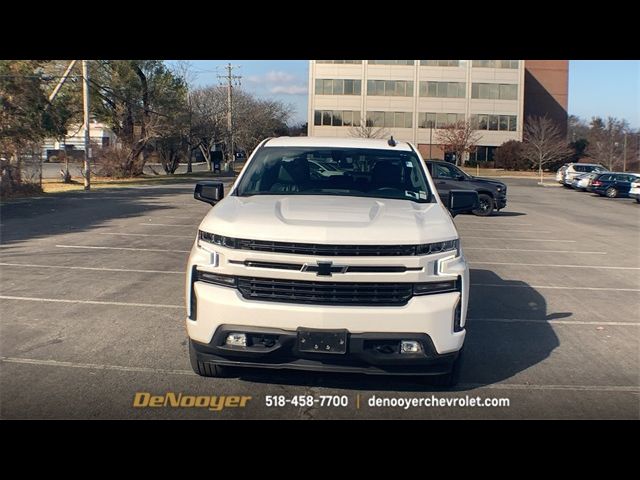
(370, 353)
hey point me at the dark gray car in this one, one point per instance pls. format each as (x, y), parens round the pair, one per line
(491, 193)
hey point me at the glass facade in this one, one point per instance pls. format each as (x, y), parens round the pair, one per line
(443, 89)
(338, 86)
(337, 118)
(390, 119)
(438, 120)
(390, 88)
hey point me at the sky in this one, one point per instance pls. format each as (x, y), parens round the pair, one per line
(596, 87)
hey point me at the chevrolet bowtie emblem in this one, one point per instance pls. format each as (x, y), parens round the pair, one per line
(324, 269)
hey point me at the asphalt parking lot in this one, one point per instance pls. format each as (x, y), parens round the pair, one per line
(91, 307)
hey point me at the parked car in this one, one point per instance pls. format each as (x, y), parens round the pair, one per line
(575, 169)
(288, 272)
(613, 184)
(447, 176)
(634, 191)
(560, 174)
(581, 182)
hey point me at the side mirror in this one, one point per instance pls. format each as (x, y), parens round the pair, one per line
(209, 192)
(461, 201)
(461, 177)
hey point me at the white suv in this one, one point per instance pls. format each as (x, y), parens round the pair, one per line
(572, 170)
(358, 272)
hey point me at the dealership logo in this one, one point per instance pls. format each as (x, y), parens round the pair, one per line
(324, 268)
(214, 403)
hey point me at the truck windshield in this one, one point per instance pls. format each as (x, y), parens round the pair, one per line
(349, 172)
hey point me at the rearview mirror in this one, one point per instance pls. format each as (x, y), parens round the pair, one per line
(209, 192)
(461, 201)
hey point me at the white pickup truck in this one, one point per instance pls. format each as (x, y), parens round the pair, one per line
(357, 272)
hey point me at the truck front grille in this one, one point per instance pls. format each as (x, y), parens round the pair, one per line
(324, 293)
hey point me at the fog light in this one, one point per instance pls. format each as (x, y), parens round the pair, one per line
(237, 339)
(410, 346)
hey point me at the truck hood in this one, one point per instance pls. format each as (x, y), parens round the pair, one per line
(489, 181)
(330, 219)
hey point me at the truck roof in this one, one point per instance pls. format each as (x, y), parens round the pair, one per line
(329, 142)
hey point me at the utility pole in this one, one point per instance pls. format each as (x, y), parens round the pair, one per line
(87, 123)
(624, 154)
(230, 79)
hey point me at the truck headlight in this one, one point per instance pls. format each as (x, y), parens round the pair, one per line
(214, 239)
(205, 243)
(439, 247)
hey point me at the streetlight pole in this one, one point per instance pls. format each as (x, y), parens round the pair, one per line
(87, 123)
(430, 139)
(624, 154)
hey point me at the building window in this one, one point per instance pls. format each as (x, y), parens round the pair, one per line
(443, 89)
(326, 86)
(438, 120)
(391, 62)
(494, 122)
(336, 118)
(340, 61)
(494, 91)
(390, 119)
(440, 63)
(390, 88)
(496, 64)
(483, 154)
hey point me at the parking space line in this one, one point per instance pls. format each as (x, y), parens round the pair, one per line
(555, 265)
(94, 366)
(528, 386)
(522, 239)
(88, 302)
(145, 235)
(552, 322)
(101, 269)
(553, 287)
(92, 247)
(167, 225)
(501, 225)
(501, 230)
(536, 251)
(495, 386)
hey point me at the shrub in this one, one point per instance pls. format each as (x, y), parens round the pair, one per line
(509, 156)
(112, 162)
(11, 183)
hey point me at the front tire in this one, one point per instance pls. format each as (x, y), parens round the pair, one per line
(611, 192)
(486, 205)
(206, 369)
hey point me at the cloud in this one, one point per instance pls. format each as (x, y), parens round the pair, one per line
(289, 89)
(278, 82)
(274, 76)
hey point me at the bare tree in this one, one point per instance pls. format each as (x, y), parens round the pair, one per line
(367, 129)
(459, 138)
(257, 119)
(183, 69)
(209, 108)
(544, 142)
(606, 141)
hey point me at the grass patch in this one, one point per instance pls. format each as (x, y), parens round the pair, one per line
(56, 186)
(499, 172)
